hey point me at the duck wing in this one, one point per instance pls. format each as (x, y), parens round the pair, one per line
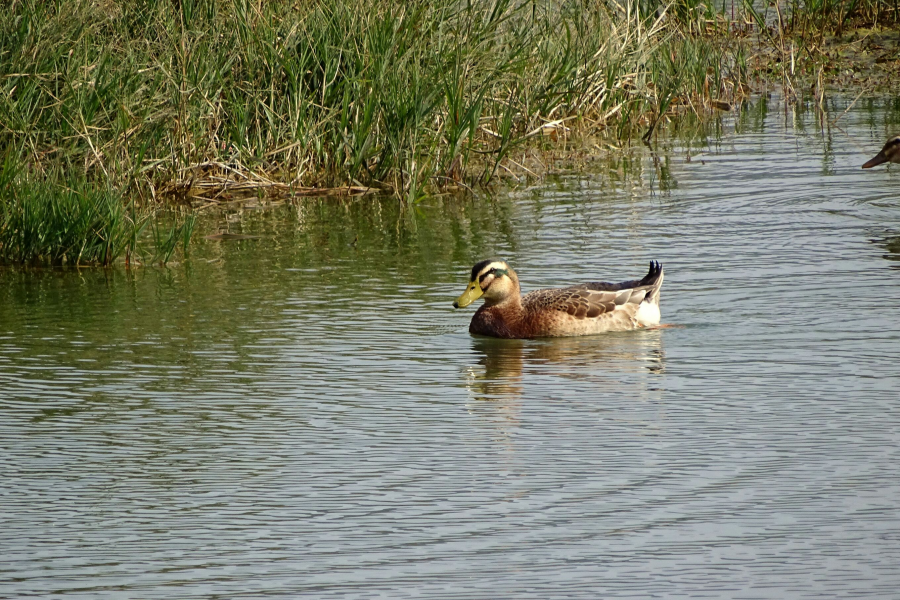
(590, 300)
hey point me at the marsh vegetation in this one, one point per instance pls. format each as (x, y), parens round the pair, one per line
(190, 103)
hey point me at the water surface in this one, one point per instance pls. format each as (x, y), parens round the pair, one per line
(305, 415)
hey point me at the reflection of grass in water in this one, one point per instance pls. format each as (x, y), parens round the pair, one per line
(887, 241)
(168, 234)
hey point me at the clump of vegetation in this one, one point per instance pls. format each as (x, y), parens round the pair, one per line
(167, 97)
(61, 219)
(137, 102)
(806, 46)
(76, 225)
(817, 18)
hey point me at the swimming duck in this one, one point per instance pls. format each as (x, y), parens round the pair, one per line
(890, 153)
(578, 310)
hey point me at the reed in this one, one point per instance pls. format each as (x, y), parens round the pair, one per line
(63, 219)
(159, 96)
(115, 108)
(821, 17)
(76, 224)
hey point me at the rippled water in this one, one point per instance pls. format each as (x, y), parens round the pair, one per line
(306, 415)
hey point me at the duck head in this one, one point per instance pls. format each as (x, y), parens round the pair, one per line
(492, 279)
(890, 153)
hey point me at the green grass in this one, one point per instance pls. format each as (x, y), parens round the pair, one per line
(82, 224)
(116, 107)
(65, 219)
(156, 94)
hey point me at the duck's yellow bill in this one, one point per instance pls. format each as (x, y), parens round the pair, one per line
(472, 293)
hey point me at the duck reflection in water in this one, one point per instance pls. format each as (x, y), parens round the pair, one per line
(891, 244)
(621, 364)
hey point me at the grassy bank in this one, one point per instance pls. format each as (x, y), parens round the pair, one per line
(187, 99)
(66, 219)
(811, 47)
(161, 102)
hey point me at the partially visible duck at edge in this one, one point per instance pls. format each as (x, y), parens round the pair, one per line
(578, 310)
(890, 153)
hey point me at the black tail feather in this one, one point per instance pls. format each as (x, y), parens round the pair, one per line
(649, 280)
(652, 279)
(653, 274)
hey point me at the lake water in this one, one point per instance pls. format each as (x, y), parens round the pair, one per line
(305, 414)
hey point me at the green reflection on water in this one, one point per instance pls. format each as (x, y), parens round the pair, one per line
(345, 258)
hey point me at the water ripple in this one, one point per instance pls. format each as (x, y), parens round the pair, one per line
(306, 416)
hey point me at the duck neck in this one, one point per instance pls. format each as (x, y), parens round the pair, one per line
(510, 302)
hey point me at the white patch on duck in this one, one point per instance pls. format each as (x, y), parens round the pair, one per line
(648, 314)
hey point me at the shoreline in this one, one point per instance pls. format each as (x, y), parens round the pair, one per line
(188, 112)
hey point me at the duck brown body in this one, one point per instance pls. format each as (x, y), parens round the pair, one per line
(578, 310)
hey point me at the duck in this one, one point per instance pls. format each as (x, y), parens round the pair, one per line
(583, 309)
(890, 153)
